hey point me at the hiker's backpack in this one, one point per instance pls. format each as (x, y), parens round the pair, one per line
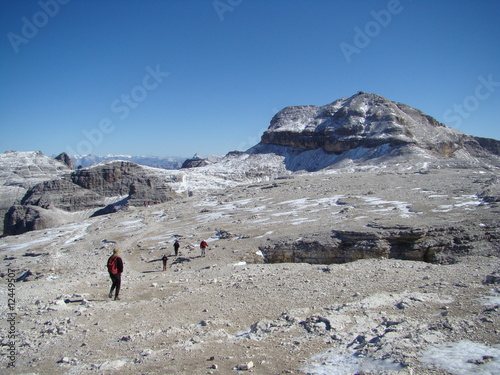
(113, 264)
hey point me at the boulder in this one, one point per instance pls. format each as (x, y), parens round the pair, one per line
(20, 219)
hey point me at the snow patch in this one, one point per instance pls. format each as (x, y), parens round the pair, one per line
(493, 299)
(333, 363)
(464, 358)
(402, 207)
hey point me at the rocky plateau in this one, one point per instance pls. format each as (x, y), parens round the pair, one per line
(361, 237)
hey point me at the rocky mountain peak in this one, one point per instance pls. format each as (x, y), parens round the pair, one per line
(196, 161)
(362, 120)
(66, 159)
(368, 126)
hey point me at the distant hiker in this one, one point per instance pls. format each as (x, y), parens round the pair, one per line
(164, 260)
(203, 246)
(176, 247)
(115, 269)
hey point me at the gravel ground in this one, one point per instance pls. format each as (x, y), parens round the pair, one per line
(231, 312)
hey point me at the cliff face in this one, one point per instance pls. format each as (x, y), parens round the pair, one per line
(492, 145)
(123, 178)
(368, 121)
(111, 179)
(62, 194)
(436, 245)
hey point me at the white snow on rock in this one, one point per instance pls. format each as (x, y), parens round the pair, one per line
(493, 299)
(464, 358)
(27, 168)
(332, 363)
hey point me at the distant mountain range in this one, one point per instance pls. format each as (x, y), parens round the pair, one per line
(164, 162)
(364, 132)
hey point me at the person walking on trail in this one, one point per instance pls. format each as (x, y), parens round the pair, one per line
(176, 247)
(164, 260)
(115, 269)
(203, 246)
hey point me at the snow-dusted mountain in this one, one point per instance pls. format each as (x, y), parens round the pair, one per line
(164, 162)
(362, 132)
(19, 171)
(419, 296)
(367, 129)
(19, 168)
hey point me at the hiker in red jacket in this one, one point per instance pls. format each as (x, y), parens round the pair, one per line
(203, 246)
(115, 269)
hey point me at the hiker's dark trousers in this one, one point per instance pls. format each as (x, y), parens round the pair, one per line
(116, 279)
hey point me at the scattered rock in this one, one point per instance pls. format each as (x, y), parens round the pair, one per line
(492, 278)
(245, 367)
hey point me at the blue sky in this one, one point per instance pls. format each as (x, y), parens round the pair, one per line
(176, 77)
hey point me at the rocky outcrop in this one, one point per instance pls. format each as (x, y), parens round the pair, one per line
(112, 179)
(20, 171)
(492, 145)
(20, 219)
(66, 160)
(435, 245)
(195, 162)
(62, 194)
(368, 121)
(97, 189)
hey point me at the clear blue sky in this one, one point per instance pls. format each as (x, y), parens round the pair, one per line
(176, 77)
